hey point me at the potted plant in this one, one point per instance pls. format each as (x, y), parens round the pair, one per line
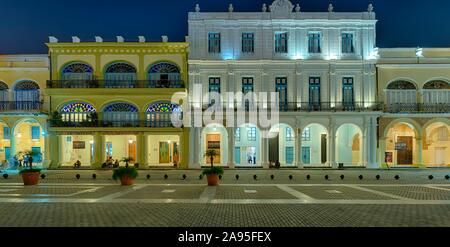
(126, 174)
(212, 173)
(30, 175)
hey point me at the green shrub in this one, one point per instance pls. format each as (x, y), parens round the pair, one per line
(213, 170)
(122, 171)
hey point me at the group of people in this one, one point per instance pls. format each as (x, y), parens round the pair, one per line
(110, 163)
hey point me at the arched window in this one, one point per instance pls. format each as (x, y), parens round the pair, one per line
(76, 112)
(165, 75)
(77, 71)
(401, 96)
(436, 92)
(3, 95)
(121, 114)
(120, 75)
(160, 114)
(27, 95)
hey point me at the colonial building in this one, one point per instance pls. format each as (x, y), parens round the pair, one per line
(113, 100)
(322, 64)
(415, 86)
(23, 111)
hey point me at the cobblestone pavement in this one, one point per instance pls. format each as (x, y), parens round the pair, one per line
(61, 200)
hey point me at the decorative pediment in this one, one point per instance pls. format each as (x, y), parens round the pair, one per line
(281, 8)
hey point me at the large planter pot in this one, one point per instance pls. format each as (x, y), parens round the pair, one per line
(213, 179)
(30, 178)
(126, 180)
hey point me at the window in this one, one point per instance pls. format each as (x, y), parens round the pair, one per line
(347, 43)
(306, 135)
(237, 134)
(314, 93)
(281, 42)
(347, 93)
(35, 132)
(248, 42)
(314, 43)
(251, 134)
(214, 43)
(247, 87)
(6, 133)
(289, 135)
(281, 89)
(214, 87)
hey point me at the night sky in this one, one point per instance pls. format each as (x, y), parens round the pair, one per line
(26, 24)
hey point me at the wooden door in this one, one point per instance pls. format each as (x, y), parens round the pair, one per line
(213, 142)
(132, 151)
(405, 155)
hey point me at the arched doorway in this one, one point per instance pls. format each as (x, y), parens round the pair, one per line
(282, 147)
(120, 75)
(27, 96)
(164, 75)
(4, 96)
(349, 145)
(214, 136)
(77, 72)
(28, 134)
(121, 114)
(401, 96)
(247, 146)
(436, 147)
(400, 144)
(314, 145)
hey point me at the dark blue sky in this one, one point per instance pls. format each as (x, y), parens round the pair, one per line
(26, 24)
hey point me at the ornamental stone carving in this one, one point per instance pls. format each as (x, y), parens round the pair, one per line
(281, 8)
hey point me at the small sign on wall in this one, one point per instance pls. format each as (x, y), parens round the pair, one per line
(388, 157)
(400, 146)
(79, 145)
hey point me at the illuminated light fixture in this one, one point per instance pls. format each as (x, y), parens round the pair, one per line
(169, 141)
(298, 57)
(19, 135)
(332, 57)
(91, 142)
(130, 141)
(419, 52)
(374, 54)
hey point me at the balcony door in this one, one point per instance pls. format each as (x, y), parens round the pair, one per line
(348, 98)
(281, 89)
(314, 93)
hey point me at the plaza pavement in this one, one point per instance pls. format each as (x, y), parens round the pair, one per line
(62, 200)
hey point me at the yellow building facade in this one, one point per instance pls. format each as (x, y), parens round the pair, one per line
(23, 108)
(414, 85)
(111, 100)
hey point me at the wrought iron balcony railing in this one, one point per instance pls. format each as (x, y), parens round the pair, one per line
(111, 124)
(115, 84)
(304, 106)
(417, 108)
(31, 106)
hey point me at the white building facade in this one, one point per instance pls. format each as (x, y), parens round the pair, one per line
(321, 64)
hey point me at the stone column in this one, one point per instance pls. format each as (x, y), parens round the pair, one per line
(230, 147)
(54, 150)
(298, 148)
(197, 146)
(265, 152)
(46, 156)
(140, 141)
(332, 146)
(99, 148)
(418, 151)
(372, 147)
(365, 143)
(382, 150)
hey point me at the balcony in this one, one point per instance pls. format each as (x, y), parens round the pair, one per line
(115, 84)
(17, 106)
(312, 106)
(111, 124)
(417, 108)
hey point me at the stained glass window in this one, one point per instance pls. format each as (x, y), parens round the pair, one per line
(77, 68)
(3, 93)
(400, 85)
(121, 107)
(3, 86)
(121, 68)
(26, 86)
(164, 67)
(437, 85)
(78, 107)
(163, 107)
